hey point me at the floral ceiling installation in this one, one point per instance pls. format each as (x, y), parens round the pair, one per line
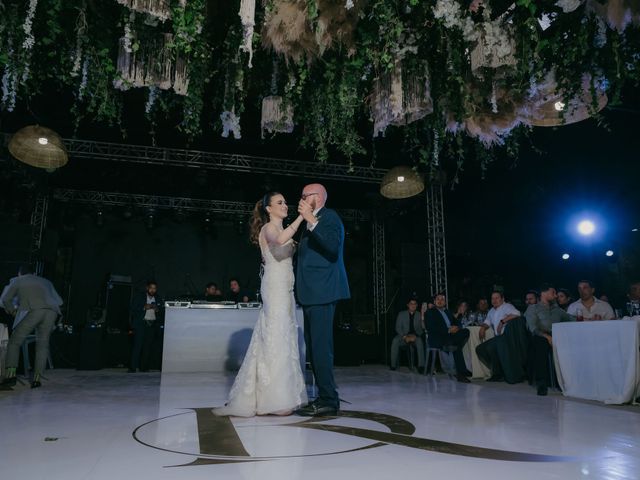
(457, 79)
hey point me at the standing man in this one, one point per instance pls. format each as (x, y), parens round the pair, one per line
(321, 280)
(38, 307)
(147, 310)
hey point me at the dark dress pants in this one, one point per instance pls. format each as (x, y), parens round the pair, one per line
(541, 351)
(458, 339)
(144, 336)
(487, 352)
(318, 336)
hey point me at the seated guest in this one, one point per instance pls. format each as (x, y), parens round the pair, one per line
(462, 313)
(498, 317)
(542, 317)
(235, 293)
(409, 332)
(482, 310)
(147, 310)
(212, 293)
(564, 298)
(589, 307)
(531, 298)
(633, 305)
(445, 332)
(35, 304)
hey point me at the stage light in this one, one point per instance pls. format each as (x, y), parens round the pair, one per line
(559, 106)
(566, 256)
(43, 140)
(400, 178)
(634, 229)
(609, 253)
(586, 227)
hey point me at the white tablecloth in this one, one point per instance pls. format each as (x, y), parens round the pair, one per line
(598, 360)
(474, 364)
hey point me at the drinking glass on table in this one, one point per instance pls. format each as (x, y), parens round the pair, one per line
(579, 315)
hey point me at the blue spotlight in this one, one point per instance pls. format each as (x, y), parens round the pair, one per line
(566, 256)
(586, 228)
(609, 253)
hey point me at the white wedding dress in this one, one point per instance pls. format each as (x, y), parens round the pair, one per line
(270, 380)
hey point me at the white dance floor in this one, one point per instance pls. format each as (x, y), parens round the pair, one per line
(114, 425)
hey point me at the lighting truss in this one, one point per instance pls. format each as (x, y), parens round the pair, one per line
(436, 241)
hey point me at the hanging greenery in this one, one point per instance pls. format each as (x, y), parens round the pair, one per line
(458, 78)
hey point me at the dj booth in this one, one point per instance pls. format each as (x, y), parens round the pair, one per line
(212, 337)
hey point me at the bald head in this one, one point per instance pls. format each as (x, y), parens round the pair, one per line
(315, 194)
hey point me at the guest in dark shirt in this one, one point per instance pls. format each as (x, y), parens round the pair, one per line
(236, 294)
(212, 293)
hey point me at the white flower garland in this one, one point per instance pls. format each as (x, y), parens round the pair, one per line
(81, 25)
(230, 124)
(151, 100)
(29, 41)
(128, 33)
(85, 78)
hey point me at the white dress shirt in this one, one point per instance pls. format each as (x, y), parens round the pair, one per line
(310, 227)
(598, 308)
(495, 315)
(150, 314)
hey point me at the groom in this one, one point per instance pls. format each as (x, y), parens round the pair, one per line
(321, 280)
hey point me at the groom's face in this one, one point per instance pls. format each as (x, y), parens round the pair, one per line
(310, 196)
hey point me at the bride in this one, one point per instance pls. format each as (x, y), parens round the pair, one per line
(270, 380)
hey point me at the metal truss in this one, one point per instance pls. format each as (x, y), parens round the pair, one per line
(38, 224)
(157, 202)
(436, 240)
(379, 272)
(118, 152)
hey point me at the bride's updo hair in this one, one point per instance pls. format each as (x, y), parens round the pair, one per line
(260, 216)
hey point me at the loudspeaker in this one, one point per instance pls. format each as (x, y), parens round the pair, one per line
(118, 303)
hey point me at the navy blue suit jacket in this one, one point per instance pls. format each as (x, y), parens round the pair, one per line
(320, 274)
(437, 329)
(137, 311)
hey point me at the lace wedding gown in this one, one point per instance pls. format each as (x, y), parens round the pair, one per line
(270, 379)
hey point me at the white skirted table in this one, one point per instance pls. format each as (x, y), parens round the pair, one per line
(202, 339)
(474, 364)
(598, 360)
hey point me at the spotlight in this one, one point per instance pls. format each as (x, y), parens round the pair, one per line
(43, 140)
(634, 229)
(149, 219)
(586, 227)
(566, 256)
(609, 253)
(400, 178)
(559, 106)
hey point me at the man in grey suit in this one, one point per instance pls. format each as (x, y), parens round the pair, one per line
(38, 307)
(409, 331)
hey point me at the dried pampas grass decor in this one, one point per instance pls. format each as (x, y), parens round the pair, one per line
(287, 29)
(397, 101)
(152, 65)
(276, 117)
(158, 8)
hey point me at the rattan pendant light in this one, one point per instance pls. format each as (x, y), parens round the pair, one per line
(39, 147)
(401, 182)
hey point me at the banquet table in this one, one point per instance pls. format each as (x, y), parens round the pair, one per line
(474, 364)
(598, 360)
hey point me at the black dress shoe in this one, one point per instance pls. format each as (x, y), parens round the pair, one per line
(542, 390)
(462, 379)
(495, 378)
(36, 384)
(8, 382)
(317, 410)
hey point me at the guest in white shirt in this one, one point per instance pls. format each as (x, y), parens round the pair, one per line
(589, 307)
(497, 318)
